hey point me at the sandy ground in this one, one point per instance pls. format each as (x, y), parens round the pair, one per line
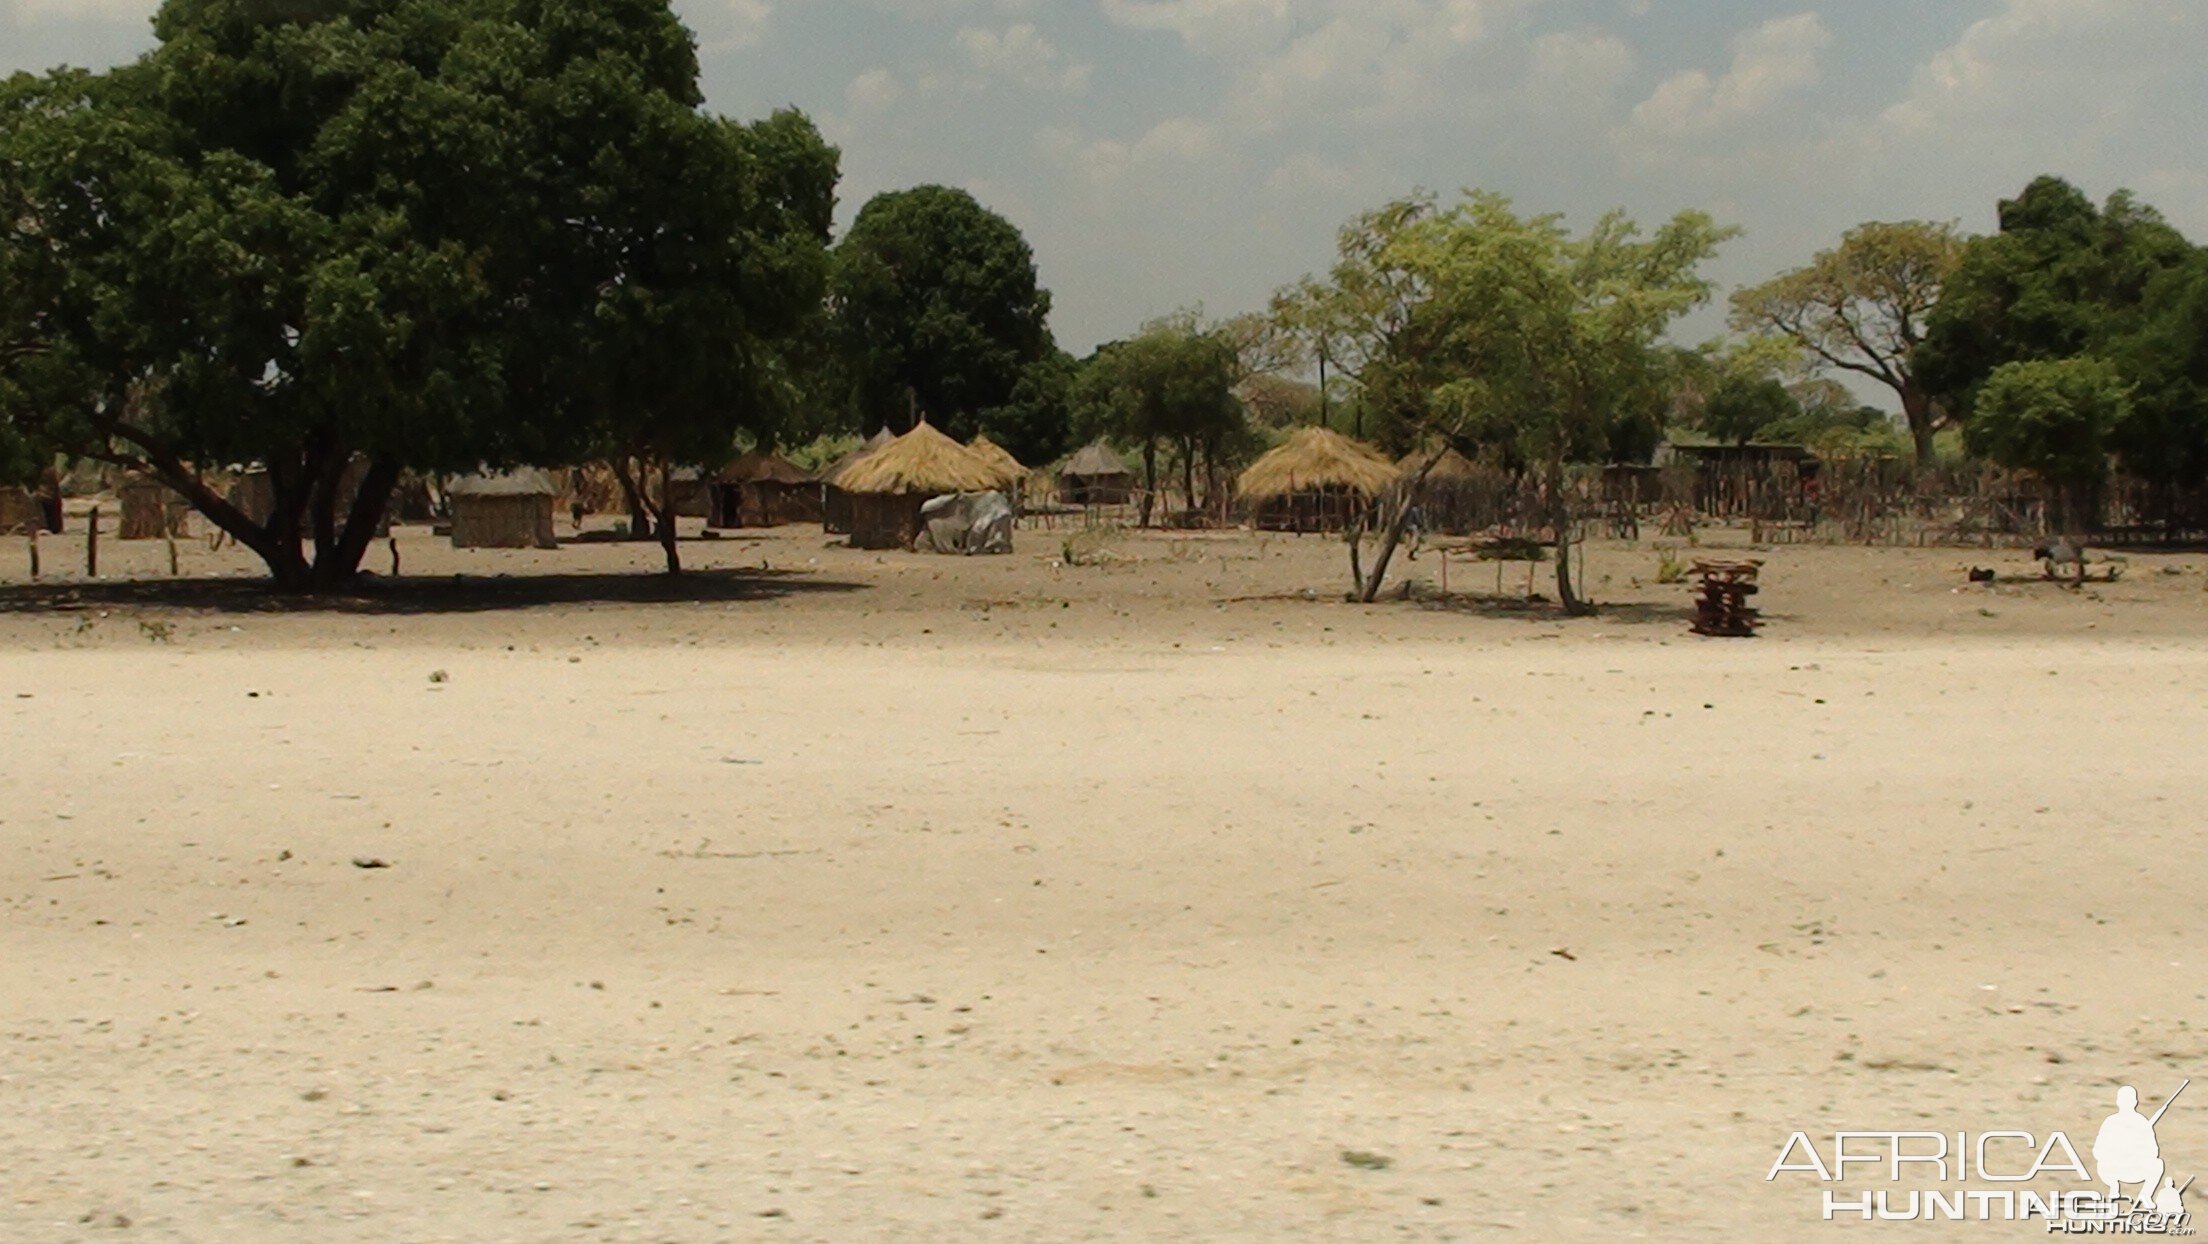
(843, 896)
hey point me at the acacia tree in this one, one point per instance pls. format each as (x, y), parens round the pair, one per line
(1861, 307)
(1355, 325)
(350, 237)
(1520, 336)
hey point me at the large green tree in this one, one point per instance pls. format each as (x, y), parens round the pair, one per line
(345, 237)
(1861, 307)
(940, 315)
(2064, 278)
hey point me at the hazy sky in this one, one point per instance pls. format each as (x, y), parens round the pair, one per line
(1166, 153)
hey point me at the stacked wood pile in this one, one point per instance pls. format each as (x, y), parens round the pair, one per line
(1722, 607)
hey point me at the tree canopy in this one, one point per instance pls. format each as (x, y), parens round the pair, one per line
(1171, 385)
(2066, 279)
(1861, 307)
(940, 314)
(348, 237)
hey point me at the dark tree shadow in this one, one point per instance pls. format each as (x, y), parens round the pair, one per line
(424, 595)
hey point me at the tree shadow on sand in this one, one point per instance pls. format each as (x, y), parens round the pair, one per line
(455, 594)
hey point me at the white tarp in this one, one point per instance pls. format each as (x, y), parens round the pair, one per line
(968, 522)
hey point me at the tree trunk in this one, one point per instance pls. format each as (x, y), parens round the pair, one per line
(1917, 410)
(1188, 472)
(1405, 500)
(666, 519)
(1149, 478)
(340, 563)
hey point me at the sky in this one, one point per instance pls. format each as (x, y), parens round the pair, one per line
(1167, 154)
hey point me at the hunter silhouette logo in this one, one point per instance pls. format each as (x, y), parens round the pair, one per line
(2005, 1175)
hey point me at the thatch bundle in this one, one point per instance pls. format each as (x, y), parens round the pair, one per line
(922, 462)
(1010, 473)
(1317, 460)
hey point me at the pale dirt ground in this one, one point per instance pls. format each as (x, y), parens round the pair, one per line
(881, 897)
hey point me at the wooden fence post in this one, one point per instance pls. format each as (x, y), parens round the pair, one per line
(32, 536)
(92, 544)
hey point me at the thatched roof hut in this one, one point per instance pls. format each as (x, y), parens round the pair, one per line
(1095, 476)
(1009, 471)
(505, 510)
(889, 486)
(764, 490)
(1453, 465)
(1318, 480)
(835, 503)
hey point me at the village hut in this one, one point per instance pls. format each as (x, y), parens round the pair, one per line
(764, 490)
(888, 486)
(1317, 480)
(505, 510)
(150, 509)
(835, 504)
(1095, 476)
(690, 492)
(1010, 474)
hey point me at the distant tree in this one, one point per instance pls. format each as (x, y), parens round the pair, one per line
(2052, 417)
(937, 308)
(345, 239)
(2066, 279)
(1516, 335)
(1740, 408)
(1355, 325)
(1171, 386)
(1861, 307)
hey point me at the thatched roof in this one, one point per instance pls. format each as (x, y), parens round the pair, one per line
(763, 468)
(523, 482)
(1316, 459)
(1453, 465)
(921, 461)
(1008, 468)
(872, 443)
(1095, 459)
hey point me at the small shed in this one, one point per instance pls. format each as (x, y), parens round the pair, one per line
(690, 492)
(1096, 476)
(764, 490)
(888, 486)
(503, 510)
(150, 510)
(835, 503)
(1317, 480)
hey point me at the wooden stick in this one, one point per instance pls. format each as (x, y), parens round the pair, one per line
(92, 545)
(32, 536)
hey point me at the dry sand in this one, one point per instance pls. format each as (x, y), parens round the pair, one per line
(880, 897)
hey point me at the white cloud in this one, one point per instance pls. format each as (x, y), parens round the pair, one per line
(1020, 53)
(876, 90)
(1770, 63)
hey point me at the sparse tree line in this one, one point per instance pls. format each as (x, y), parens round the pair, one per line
(369, 237)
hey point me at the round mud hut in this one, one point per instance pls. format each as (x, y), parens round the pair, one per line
(503, 510)
(888, 487)
(764, 490)
(1317, 480)
(835, 503)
